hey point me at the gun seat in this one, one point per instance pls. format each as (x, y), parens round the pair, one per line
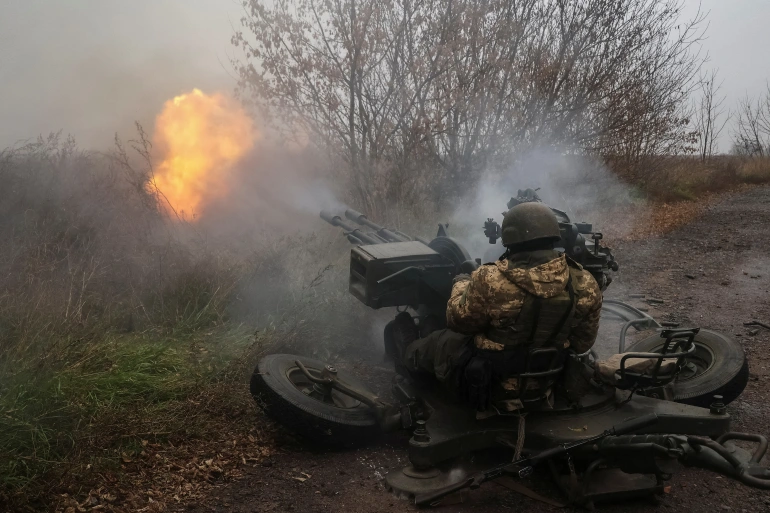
(658, 369)
(529, 377)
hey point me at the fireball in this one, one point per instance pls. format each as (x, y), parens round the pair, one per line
(200, 140)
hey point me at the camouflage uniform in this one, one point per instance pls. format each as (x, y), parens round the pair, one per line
(492, 300)
(495, 294)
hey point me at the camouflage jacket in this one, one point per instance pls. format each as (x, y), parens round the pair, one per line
(494, 295)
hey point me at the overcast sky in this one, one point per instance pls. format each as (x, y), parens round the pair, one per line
(92, 67)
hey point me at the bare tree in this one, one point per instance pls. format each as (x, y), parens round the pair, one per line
(348, 74)
(751, 136)
(601, 76)
(415, 95)
(709, 117)
(644, 112)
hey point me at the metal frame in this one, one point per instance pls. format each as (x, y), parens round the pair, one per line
(683, 341)
(445, 431)
(633, 317)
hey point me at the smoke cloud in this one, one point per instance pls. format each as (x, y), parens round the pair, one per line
(101, 66)
(581, 186)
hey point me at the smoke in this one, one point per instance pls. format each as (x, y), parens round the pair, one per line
(201, 137)
(579, 185)
(291, 267)
(219, 171)
(274, 191)
(100, 66)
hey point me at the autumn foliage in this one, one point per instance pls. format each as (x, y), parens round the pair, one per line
(415, 100)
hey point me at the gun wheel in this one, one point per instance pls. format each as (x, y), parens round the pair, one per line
(718, 367)
(328, 417)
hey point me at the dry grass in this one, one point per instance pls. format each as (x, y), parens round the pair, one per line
(672, 179)
(126, 341)
(123, 334)
(677, 189)
(754, 171)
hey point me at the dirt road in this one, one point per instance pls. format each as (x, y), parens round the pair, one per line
(712, 273)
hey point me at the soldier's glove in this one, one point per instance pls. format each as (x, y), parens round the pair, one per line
(461, 277)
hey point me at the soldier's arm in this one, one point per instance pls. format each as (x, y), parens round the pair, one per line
(467, 309)
(587, 312)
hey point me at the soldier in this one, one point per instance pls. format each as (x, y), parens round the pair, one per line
(533, 297)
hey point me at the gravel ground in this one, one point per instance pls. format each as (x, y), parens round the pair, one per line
(714, 273)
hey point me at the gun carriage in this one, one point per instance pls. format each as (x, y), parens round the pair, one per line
(618, 441)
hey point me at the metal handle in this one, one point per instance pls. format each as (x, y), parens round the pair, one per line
(760, 440)
(329, 378)
(399, 273)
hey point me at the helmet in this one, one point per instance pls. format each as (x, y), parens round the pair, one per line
(529, 221)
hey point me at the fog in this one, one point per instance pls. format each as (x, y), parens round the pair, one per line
(93, 67)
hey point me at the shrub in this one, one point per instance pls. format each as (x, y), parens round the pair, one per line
(116, 321)
(755, 170)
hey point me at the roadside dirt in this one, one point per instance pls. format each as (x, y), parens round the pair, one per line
(713, 272)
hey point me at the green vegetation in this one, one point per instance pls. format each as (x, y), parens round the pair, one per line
(118, 327)
(99, 397)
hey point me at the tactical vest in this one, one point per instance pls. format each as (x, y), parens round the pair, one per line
(541, 323)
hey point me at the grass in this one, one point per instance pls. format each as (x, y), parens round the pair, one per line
(755, 171)
(101, 398)
(127, 337)
(114, 325)
(127, 341)
(672, 179)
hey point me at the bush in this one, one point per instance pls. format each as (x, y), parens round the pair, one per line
(689, 178)
(755, 170)
(117, 324)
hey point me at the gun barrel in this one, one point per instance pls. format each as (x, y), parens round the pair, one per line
(351, 230)
(329, 217)
(384, 233)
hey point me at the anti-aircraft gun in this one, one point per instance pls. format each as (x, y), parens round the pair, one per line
(575, 237)
(616, 440)
(390, 268)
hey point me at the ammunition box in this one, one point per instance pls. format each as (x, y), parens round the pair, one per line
(398, 274)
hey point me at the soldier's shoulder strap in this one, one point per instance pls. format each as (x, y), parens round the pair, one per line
(572, 263)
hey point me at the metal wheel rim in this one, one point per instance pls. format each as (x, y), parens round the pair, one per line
(702, 359)
(334, 398)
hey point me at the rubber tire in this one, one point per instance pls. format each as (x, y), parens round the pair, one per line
(304, 415)
(727, 376)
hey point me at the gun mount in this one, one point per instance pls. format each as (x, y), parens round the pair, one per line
(390, 268)
(616, 440)
(578, 240)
